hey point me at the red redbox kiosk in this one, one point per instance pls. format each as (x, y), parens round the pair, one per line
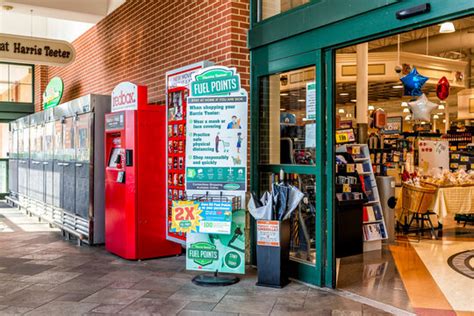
(135, 176)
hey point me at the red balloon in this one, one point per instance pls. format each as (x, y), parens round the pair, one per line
(442, 89)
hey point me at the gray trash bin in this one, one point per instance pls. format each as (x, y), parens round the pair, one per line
(386, 186)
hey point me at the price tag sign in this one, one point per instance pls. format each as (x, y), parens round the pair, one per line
(345, 136)
(350, 167)
(342, 138)
(185, 216)
(346, 188)
(355, 150)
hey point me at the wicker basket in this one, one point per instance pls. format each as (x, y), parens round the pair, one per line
(417, 199)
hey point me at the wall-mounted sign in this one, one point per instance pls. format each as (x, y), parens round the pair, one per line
(35, 50)
(394, 125)
(345, 136)
(216, 137)
(125, 97)
(311, 100)
(53, 93)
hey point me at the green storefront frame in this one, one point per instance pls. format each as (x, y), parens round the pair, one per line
(309, 36)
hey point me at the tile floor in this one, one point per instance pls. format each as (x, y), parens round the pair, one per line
(41, 274)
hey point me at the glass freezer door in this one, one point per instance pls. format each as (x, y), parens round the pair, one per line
(83, 138)
(68, 140)
(58, 141)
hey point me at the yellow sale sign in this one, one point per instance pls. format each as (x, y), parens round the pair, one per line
(185, 216)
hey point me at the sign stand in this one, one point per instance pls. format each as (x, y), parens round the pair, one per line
(215, 279)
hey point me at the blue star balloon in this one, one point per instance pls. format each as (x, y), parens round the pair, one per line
(413, 82)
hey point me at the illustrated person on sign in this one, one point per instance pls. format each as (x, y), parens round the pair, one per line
(239, 141)
(218, 139)
(234, 124)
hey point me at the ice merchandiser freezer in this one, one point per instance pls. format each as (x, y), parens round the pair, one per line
(13, 160)
(24, 157)
(48, 155)
(67, 166)
(36, 174)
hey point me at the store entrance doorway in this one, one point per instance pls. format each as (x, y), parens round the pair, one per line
(404, 168)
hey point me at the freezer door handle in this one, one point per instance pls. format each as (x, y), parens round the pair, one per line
(45, 163)
(66, 164)
(78, 164)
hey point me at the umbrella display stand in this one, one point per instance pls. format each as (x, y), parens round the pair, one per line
(273, 260)
(273, 214)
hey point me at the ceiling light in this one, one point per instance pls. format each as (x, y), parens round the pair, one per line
(284, 94)
(406, 110)
(435, 116)
(404, 104)
(447, 27)
(301, 100)
(343, 94)
(282, 109)
(371, 108)
(341, 111)
(353, 100)
(423, 123)
(441, 107)
(398, 87)
(440, 113)
(444, 121)
(408, 117)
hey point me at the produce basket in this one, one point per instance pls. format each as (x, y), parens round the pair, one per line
(417, 199)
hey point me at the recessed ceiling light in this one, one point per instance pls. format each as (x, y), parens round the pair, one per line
(435, 116)
(282, 109)
(408, 117)
(398, 87)
(447, 27)
(440, 113)
(444, 121)
(404, 104)
(341, 111)
(441, 107)
(353, 100)
(284, 94)
(343, 94)
(406, 110)
(370, 108)
(423, 123)
(301, 100)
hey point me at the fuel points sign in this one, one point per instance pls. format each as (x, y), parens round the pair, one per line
(221, 252)
(216, 138)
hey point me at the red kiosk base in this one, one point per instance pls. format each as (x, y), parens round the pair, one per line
(135, 177)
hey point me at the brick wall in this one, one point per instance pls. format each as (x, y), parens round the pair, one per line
(41, 80)
(141, 40)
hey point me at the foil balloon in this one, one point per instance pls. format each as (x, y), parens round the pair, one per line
(413, 82)
(422, 108)
(442, 89)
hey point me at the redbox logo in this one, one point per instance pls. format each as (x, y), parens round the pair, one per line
(124, 97)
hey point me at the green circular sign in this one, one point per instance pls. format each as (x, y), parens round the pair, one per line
(232, 260)
(53, 93)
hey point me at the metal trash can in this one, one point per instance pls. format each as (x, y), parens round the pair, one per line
(386, 186)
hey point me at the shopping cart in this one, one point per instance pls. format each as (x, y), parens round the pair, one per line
(226, 146)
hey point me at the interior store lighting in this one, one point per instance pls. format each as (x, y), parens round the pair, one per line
(441, 107)
(444, 121)
(283, 94)
(341, 111)
(398, 87)
(343, 94)
(371, 108)
(353, 100)
(408, 117)
(301, 100)
(404, 104)
(406, 110)
(435, 116)
(447, 27)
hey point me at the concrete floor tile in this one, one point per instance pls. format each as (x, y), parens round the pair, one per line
(84, 286)
(203, 313)
(150, 306)
(62, 308)
(72, 297)
(200, 306)
(15, 310)
(51, 277)
(28, 298)
(9, 287)
(108, 309)
(193, 292)
(114, 296)
(27, 268)
(242, 304)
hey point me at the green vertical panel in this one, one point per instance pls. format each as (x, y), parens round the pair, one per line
(330, 266)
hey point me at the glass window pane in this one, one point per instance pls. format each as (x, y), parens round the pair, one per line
(21, 93)
(274, 7)
(303, 219)
(4, 92)
(287, 118)
(20, 74)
